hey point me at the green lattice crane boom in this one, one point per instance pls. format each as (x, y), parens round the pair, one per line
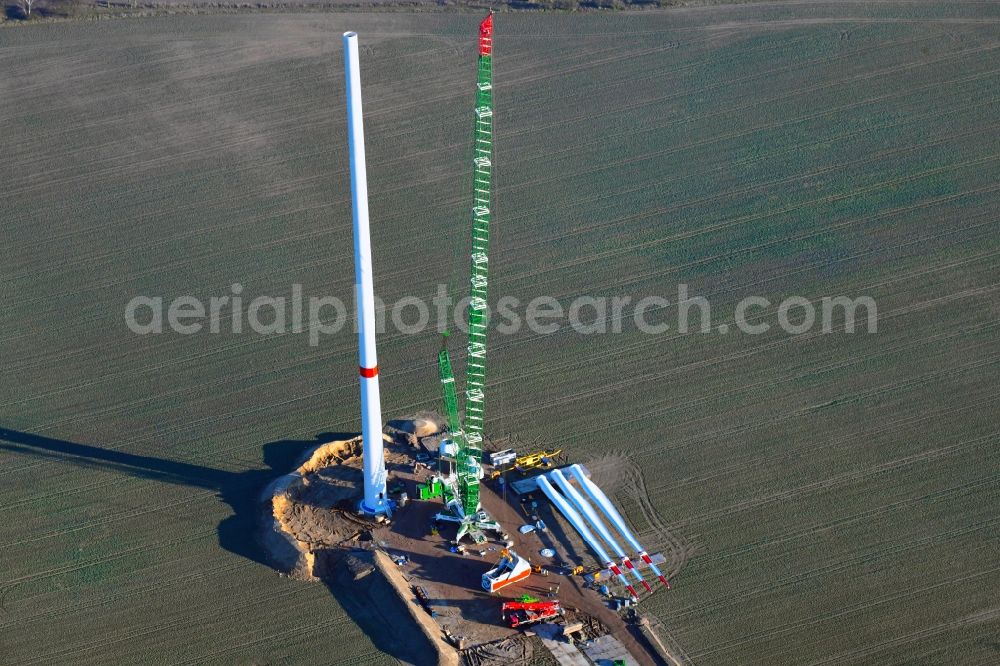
(479, 273)
(467, 468)
(475, 373)
(469, 440)
(450, 393)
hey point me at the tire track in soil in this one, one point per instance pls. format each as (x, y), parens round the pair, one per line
(754, 217)
(728, 432)
(617, 110)
(979, 617)
(292, 238)
(746, 353)
(755, 461)
(856, 608)
(779, 342)
(869, 556)
(620, 476)
(428, 402)
(638, 379)
(615, 221)
(837, 480)
(721, 557)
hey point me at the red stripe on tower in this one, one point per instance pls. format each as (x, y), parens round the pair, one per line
(368, 372)
(486, 36)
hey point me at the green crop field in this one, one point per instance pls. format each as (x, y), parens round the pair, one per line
(822, 498)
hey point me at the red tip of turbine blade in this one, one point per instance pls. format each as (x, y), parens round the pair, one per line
(664, 581)
(632, 591)
(648, 588)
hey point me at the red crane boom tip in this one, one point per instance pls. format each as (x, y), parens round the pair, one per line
(486, 35)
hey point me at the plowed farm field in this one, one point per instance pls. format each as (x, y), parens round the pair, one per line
(821, 498)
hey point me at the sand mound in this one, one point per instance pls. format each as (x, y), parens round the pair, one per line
(423, 424)
(311, 507)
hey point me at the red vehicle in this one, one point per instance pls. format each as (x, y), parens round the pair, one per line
(521, 613)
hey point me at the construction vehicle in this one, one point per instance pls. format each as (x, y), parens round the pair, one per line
(520, 614)
(593, 573)
(536, 460)
(427, 491)
(510, 569)
(460, 469)
(531, 461)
